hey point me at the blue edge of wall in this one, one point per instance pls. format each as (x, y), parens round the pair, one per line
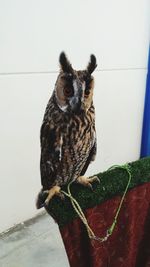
(145, 142)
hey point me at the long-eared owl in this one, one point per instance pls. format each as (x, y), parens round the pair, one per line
(68, 137)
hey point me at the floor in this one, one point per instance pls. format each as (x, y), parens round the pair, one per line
(36, 243)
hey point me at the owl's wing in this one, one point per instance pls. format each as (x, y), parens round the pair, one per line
(49, 154)
(90, 158)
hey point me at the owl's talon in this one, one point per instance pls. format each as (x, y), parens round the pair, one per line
(95, 178)
(55, 190)
(46, 202)
(86, 181)
(90, 186)
(98, 180)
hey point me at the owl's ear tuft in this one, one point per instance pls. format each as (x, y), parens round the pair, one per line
(64, 63)
(92, 64)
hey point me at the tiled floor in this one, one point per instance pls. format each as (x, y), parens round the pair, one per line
(36, 243)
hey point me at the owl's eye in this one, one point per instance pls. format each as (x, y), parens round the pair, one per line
(86, 92)
(68, 91)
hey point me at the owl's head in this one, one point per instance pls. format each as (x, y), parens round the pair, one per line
(74, 89)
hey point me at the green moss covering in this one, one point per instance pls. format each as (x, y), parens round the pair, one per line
(112, 183)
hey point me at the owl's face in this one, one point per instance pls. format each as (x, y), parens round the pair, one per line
(74, 89)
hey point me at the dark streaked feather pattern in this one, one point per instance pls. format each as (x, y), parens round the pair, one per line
(68, 139)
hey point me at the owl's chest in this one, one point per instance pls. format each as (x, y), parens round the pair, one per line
(77, 139)
(79, 136)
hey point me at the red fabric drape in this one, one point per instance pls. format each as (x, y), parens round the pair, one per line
(129, 245)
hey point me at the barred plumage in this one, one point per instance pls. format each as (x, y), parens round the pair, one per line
(68, 137)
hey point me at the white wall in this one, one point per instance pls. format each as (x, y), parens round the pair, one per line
(32, 34)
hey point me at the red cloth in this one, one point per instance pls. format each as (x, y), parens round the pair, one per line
(128, 246)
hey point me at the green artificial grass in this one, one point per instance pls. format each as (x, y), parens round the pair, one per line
(112, 183)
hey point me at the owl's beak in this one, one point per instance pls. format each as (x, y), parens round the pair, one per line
(76, 102)
(78, 107)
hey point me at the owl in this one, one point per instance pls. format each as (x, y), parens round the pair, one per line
(68, 136)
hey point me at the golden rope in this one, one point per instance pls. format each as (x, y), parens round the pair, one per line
(80, 213)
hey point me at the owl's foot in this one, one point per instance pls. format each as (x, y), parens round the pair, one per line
(55, 190)
(44, 197)
(86, 181)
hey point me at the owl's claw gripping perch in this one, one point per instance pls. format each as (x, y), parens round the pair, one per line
(55, 190)
(86, 181)
(95, 178)
(45, 196)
